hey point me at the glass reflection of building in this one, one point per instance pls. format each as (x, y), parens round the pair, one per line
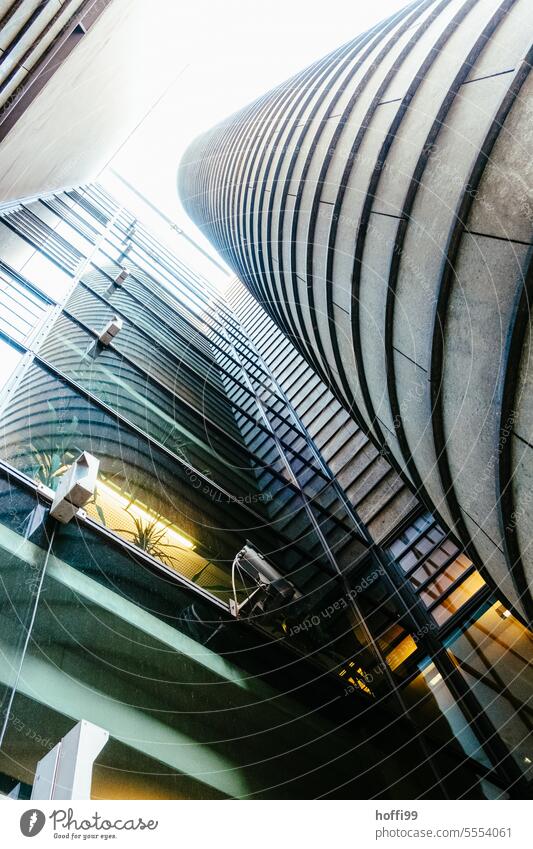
(397, 674)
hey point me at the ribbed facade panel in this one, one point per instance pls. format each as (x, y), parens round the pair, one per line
(376, 491)
(379, 206)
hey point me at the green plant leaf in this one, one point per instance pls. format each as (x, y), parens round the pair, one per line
(195, 578)
(55, 464)
(100, 514)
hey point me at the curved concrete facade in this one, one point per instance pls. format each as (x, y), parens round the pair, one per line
(377, 205)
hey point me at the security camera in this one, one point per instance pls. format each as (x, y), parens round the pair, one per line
(270, 587)
(110, 330)
(76, 487)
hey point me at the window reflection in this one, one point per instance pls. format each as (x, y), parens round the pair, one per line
(494, 655)
(441, 575)
(9, 360)
(153, 533)
(141, 495)
(453, 603)
(447, 732)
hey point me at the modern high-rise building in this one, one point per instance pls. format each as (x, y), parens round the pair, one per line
(366, 657)
(440, 586)
(378, 205)
(76, 78)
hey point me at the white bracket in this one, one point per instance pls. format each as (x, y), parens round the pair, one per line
(122, 277)
(112, 329)
(66, 771)
(76, 487)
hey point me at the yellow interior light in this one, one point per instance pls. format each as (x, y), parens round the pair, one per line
(173, 534)
(401, 652)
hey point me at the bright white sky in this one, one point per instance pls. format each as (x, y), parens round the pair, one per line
(228, 53)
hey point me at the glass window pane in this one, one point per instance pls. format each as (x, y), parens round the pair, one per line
(458, 597)
(182, 714)
(23, 544)
(448, 735)
(435, 589)
(495, 656)
(47, 276)
(9, 361)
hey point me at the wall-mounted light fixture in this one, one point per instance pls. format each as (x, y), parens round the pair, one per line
(111, 330)
(76, 487)
(121, 277)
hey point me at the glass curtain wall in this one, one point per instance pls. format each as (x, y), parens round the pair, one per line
(200, 453)
(182, 491)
